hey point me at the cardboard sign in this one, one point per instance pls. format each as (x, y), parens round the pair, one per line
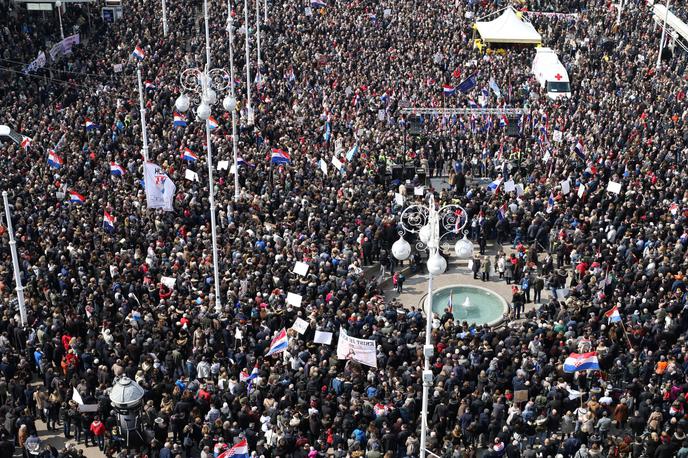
(521, 396)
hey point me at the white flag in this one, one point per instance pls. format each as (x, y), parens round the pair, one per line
(159, 187)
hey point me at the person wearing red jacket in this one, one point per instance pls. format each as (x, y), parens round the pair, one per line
(98, 430)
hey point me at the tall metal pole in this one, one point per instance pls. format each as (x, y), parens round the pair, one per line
(661, 42)
(258, 38)
(230, 31)
(59, 15)
(211, 187)
(142, 110)
(426, 369)
(15, 262)
(265, 11)
(164, 18)
(249, 109)
(207, 35)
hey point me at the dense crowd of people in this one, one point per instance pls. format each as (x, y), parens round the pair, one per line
(333, 79)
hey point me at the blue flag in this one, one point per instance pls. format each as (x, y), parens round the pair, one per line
(467, 84)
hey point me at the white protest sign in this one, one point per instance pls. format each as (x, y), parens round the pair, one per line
(614, 187)
(565, 187)
(337, 163)
(509, 186)
(398, 199)
(113, 271)
(232, 170)
(168, 281)
(190, 175)
(222, 165)
(519, 189)
(418, 191)
(359, 350)
(308, 11)
(581, 190)
(300, 268)
(557, 136)
(76, 397)
(300, 325)
(323, 166)
(323, 337)
(294, 299)
(387, 12)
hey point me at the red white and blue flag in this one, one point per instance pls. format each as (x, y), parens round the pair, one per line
(318, 4)
(138, 53)
(245, 376)
(238, 450)
(501, 213)
(279, 157)
(189, 155)
(581, 362)
(76, 198)
(448, 90)
(89, 125)
(54, 160)
(108, 222)
(279, 343)
(613, 315)
(150, 85)
(450, 304)
(212, 123)
(241, 161)
(179, 119)
(116, 169)
(26, 142)
(580, 150)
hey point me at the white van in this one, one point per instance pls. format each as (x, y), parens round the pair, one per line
(551, 74)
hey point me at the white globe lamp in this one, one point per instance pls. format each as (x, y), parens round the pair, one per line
(229, 103)
(425, 233)
(203, 111)
(210, 97)
(401, 249)
(464, 248)
(436, 264)
(182, 103)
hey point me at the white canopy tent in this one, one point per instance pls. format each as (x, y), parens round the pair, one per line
(508, 28)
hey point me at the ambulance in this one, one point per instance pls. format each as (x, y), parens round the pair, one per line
(551, 74)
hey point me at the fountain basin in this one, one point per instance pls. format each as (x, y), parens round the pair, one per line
(473, 304)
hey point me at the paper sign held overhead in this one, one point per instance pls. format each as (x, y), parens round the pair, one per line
(294, 299)
(323, 337)
(337, 163)
(190, 175)
(222, 165)
(509, 186)
(300, 268)
(300, 325)
(614, 187)
(168, 281)
(581, 190)
(565, 187)
(519, 189)
(398, 199)
(419, 191)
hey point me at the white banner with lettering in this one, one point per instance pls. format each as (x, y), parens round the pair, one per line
(359, 350)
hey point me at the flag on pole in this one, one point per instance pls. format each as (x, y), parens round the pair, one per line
(212, 123)
(116, 169)
(494, 185)
(351, 153)
(279, 157)
(245, 376)
(76, 198)
(318, 4)
(239, 450)
(188, 155)
(241, 161)
(550, 203)
(495, 88)
(26, 142)
(501, 213)
(580, 150)
(150, 85)
(138, 53)
(448, 90)
(108, 222)
(279, 343)
(613, 315)
(581, 362)
(328, 131)
(467, 84)
(54, 160)
(89, 125)
(179, 119)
